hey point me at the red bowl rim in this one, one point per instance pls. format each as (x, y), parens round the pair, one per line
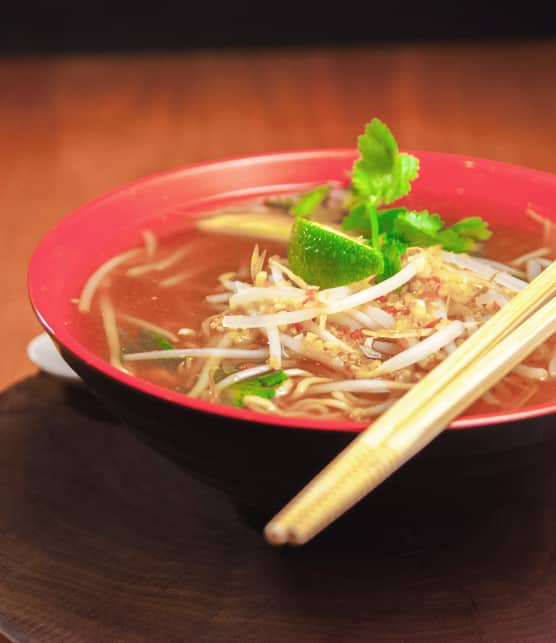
(66, 340)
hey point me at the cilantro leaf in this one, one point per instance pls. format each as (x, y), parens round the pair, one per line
(358, 219)
(161, 342)
(451, 240)
(143, 340)
(425, 229)
(392, 251)
(264, 386)
(310, 201)
(272, 379)
(382, 174)
(472, 227)
(387, 218)
(418, 228)
(407, 169)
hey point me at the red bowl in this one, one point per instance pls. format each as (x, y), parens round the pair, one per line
(238, 450)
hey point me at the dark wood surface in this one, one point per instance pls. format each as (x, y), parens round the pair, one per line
(73, 127)
(103, 540)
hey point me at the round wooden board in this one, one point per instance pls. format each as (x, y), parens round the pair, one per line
(101, 539)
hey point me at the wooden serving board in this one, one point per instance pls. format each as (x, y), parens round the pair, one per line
(101, 539)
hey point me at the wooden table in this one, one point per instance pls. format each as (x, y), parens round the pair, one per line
(73, 127)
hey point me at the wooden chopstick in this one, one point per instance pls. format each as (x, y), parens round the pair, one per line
(420, 415)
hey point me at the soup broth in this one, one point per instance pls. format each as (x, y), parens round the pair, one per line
(174, 294)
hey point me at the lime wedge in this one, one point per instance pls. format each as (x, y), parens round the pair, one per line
(327, 257)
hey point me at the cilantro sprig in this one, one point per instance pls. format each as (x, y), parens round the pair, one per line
(143, 340)
(381, 176)
(264, 386)
(309, 201)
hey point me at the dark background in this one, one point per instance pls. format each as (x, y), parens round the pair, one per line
(64, 26)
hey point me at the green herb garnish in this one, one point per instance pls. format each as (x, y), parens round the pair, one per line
(309, 201)
(146, 340)
(161, 342)
(143, 340)
(264, 386)
(380, 176)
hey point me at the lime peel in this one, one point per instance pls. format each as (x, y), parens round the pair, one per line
(327, 257)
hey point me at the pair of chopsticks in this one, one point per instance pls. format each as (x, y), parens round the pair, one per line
(422, 413)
